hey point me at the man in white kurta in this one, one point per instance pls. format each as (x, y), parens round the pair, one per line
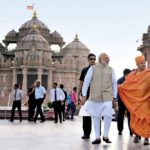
(103, 91)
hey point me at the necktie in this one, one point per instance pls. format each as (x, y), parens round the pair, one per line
(55, 95)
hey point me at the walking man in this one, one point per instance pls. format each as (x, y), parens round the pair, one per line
(87, 122)
(31, 102)
(17, 97)
(63, 109)
(40, 94)
(121, 106)
(103, 92)
(57, 97)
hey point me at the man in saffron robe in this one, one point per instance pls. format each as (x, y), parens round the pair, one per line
(135, 93)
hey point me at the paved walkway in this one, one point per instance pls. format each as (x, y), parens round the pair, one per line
(65, 136)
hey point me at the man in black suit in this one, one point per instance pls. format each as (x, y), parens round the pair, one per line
(86, 119)
(31, 102)
(122, 108)
(63, 103)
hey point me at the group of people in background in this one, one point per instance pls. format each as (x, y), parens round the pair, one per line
(58, 97)
(98, 92)
(37, 94)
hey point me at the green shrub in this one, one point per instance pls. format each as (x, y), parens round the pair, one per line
(49, 104)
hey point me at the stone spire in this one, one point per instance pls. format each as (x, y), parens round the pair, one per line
(76, 37)
(34, 14)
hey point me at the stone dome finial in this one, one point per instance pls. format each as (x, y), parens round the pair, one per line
(34, 14)
(76, 38)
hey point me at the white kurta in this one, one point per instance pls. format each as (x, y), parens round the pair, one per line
(95, 108)
(98, 108)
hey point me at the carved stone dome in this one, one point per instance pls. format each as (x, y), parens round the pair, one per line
(33, 39)
(24, 29)
(12, 33)
(55, 34)
(76, 48)
(56, 37)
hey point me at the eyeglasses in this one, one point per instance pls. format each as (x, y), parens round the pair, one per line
(92, 59)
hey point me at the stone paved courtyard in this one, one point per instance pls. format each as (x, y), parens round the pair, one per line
(65, 136)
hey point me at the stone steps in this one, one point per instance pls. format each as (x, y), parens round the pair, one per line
(5, 113)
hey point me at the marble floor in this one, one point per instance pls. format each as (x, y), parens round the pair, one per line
(65, 136)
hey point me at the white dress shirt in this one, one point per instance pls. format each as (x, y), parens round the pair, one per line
(17, 95)
(39, 92)
(88, 79)
(59, 94)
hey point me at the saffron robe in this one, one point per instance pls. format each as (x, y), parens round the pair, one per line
(135, 93)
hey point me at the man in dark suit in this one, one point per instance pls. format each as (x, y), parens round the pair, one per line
(31, 102)
(122, 108)
(63, 102)
(86, 119)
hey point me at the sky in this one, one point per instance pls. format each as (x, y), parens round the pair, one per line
(111, 26)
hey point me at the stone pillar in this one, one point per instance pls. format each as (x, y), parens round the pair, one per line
(50, 72)
(61, 46)
(40, 71)
(24, 83)
(14, 81)
(148, 57)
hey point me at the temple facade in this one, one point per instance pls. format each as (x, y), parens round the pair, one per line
(145, 47)
(33, 58)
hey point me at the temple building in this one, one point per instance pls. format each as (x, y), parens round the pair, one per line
(34, 58)
(145, 47)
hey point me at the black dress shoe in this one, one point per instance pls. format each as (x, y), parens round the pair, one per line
(42, 121)
(30, 120)
(97, 141)
(55, 122)
(11, 120)
(146, 141)
(106, 140)
(119, 133)
(85, 137)
(34, 120)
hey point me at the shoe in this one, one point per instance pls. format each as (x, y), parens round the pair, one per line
(42, 121)
(97, 141)
(34, 120)
(131, 134)
(136, 139)
(55, 122)
(85, 137)
(114, 119)
(11, 120)
(119, 133)
(146, 141)
(20, 120)
(30, 120)
(106, 139)
(60, 121)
